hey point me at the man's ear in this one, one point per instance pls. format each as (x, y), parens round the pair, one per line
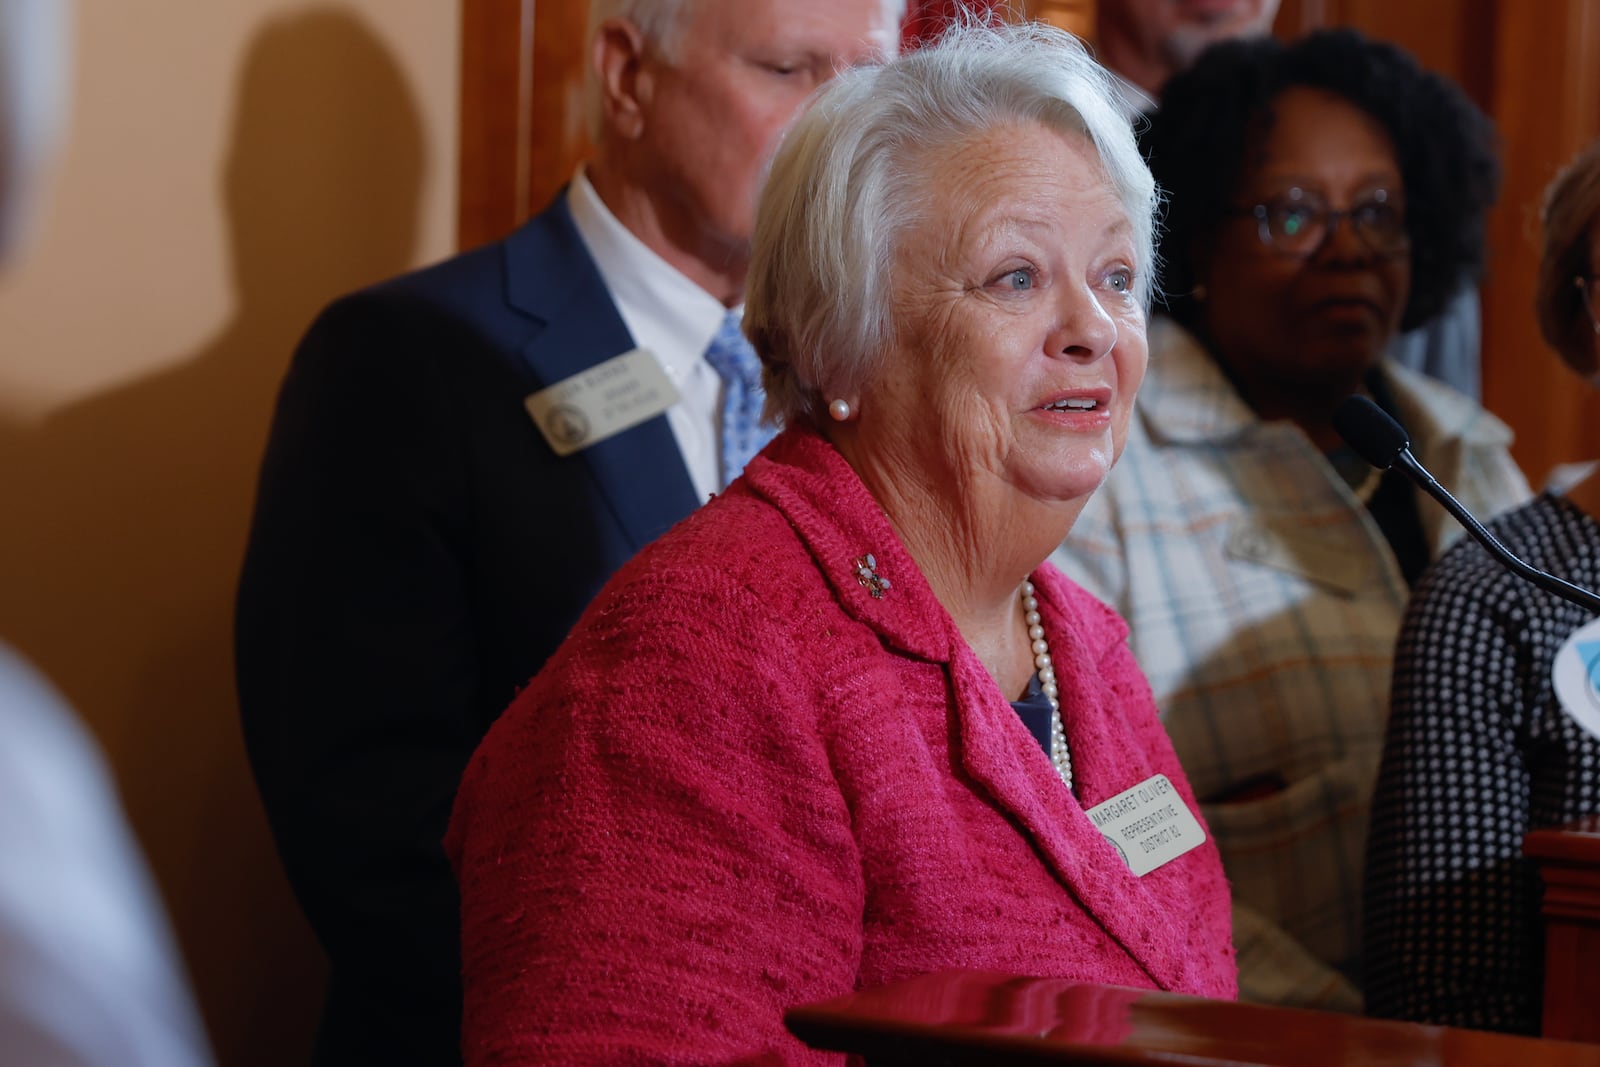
(625, 81)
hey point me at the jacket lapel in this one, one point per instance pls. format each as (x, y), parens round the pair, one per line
(834, 514)
(1003, 758)
(551, 278)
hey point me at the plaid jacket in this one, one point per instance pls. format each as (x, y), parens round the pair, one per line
(1264, 604)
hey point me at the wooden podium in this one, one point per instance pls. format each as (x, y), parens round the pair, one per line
(1569, 861)
(972, 1017)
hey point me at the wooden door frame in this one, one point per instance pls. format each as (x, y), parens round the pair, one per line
(521, 117)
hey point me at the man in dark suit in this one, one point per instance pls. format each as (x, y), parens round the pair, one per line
(421, 544)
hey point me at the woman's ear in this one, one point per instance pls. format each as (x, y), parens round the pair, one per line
(624, 77)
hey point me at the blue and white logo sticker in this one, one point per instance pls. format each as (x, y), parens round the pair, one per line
(1576, 677)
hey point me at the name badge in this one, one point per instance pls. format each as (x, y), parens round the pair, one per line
(1149, 825)
(1575, 676)
(602, 401)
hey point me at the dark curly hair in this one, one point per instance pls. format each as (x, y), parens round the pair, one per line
(1214, 114)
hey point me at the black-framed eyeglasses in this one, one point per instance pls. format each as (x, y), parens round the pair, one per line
(1297, 222)
(1589, 286)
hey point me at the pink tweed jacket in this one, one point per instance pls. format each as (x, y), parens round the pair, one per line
(743, 783)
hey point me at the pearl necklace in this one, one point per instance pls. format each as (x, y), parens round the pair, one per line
(1060, 755)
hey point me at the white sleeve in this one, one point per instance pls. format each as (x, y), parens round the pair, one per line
(88, 968)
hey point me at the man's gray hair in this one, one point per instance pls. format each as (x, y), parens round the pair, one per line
(847, 181)
(660, 22)
(656, 19)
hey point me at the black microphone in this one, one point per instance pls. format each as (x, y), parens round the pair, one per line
(1382, 442)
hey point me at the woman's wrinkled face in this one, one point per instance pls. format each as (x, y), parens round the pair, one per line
(1322, 318)
(1020, 343)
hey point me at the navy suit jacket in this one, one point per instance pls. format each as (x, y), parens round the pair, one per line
(417, 553)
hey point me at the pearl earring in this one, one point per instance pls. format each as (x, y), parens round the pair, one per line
(839, 409)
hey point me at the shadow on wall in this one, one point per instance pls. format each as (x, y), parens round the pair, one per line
(127, 513)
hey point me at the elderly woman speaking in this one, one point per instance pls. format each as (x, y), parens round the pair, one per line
(826, 733)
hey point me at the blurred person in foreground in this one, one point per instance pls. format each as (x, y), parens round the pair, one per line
(1321, 196)
(843, 725)
(89, 972)
(1494, 713)
(448, 481)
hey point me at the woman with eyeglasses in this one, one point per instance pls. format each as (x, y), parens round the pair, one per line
(1322, 196)
(1494, 711)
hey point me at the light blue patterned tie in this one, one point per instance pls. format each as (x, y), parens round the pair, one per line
(737, 364)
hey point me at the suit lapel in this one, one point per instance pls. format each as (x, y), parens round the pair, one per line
(551, 278)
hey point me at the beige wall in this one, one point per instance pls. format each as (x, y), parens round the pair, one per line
(231, 165)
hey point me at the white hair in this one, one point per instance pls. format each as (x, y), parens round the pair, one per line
(845, 181)
(660, 22)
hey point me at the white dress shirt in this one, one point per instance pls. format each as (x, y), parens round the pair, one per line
(669, 316)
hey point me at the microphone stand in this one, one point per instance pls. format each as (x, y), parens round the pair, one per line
(1548, 582)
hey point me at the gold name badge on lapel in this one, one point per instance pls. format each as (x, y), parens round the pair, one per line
(1149, 825)
(602, 401)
